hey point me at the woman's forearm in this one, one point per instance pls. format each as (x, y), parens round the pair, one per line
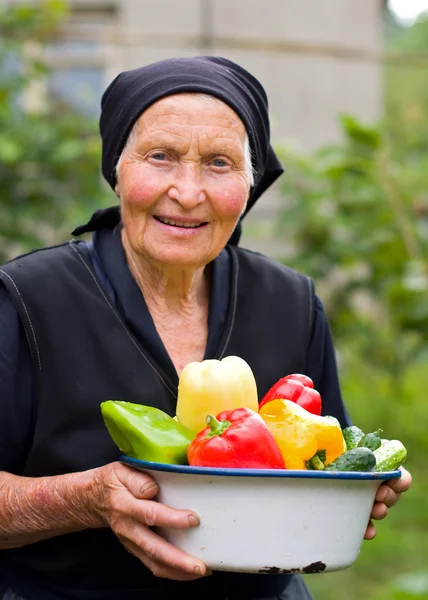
(34, 509)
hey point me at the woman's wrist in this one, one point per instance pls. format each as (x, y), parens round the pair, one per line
(81, 497)
(33, 509)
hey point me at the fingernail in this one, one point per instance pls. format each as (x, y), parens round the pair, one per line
(148, 486)
(197, 570)
(193, 521)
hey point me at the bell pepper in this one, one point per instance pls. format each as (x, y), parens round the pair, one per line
(236, 438)
(146, 433)
(301, 436)
(297, 388)
(212, 386)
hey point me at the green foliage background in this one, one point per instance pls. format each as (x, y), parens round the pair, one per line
(357, 216)
(49, 156)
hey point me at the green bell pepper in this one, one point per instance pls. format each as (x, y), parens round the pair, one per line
(146, 433)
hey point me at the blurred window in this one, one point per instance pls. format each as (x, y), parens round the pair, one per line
(80, 87)
(73, 48)
(78, 59)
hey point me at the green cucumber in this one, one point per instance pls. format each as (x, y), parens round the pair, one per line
(352, 436)
(371, 440)
(357, 459)
(316, 463)
(390, 455)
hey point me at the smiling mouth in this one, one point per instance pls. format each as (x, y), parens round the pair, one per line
(184, 224)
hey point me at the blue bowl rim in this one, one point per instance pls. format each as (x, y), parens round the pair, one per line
(278, 473)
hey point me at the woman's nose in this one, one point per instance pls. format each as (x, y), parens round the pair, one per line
(187, 189)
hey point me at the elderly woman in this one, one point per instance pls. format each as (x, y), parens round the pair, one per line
(162, 283)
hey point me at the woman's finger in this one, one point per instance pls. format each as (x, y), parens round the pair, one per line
(143, 488)
(403, 483)
(138, 483)
(387, 495)
(160, 569)
(379, 511)
(370, 532)
(155, 514)
(157, 549)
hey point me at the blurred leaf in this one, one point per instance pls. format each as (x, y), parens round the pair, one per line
(365, 136)
(68, 150)
(414, 584)
(10, 150)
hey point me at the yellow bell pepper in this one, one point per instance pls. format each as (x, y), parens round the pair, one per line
(213, 386)
(300, 434)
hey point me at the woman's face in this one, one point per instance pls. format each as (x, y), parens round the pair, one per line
(182, 181)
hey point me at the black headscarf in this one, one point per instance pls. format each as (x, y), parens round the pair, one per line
(132, 92)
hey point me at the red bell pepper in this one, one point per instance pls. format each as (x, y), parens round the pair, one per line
(299, 389)
(236, 438)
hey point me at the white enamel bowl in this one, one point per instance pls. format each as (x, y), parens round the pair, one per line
(268, 521)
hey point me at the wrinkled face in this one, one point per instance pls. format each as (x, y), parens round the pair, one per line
(182, 181)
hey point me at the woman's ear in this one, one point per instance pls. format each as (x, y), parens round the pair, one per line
(117, 190)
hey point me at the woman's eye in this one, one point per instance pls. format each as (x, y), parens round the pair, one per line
(219, 162)
(158, 156)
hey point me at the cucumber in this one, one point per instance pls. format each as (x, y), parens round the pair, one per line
(371, 440)
(322, 455)
(316, 463)
(357, 459)
(352, 436)
(390, 455)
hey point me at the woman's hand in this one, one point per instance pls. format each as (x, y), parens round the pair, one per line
(126, 504)
(387, 496)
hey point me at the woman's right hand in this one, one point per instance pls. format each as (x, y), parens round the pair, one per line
(125, 501)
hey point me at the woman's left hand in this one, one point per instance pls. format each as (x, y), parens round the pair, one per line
(387, 496)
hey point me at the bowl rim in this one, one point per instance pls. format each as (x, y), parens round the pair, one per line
(275, 473)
